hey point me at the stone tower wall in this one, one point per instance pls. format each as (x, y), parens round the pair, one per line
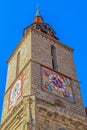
(24, 47)
(41, 52)
(41, 55)
(24, 67)
(76, 105)
(37, 109)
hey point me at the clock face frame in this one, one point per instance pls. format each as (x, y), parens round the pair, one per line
(15, 92)
(56, 84)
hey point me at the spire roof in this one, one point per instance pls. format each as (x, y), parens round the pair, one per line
(38, 18)
(39, 24)
(38, 12)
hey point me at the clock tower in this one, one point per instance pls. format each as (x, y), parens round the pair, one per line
(42, 88)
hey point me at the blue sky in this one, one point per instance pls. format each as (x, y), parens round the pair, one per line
(67, 17)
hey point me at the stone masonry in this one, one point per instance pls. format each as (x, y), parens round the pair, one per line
(37, 109)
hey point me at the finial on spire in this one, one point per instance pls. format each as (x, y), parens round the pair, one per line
(37, 6)
(38, 18)
(38, 12)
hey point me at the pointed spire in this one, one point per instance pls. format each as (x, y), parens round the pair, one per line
(38, 12)
(38, 18)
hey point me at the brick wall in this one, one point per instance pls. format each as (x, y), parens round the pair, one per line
(49, 117)
(35, 49)
(41, 52)
(75, 106)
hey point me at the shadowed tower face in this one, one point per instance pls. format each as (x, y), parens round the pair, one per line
(42, 89)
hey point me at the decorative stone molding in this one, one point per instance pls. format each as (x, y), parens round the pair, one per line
(17, 113)
(43, 109)
(59, 103)
(13, 112)
(65, 120)
(61, 129)
(49, 114)
(65, 114)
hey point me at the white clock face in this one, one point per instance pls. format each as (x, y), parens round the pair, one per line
(15, 92)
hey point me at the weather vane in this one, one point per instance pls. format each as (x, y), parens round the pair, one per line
(37, 7)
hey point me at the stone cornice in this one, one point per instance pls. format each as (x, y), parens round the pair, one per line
(53, 112)
(25, 67)
(35, 61)
(72, 116)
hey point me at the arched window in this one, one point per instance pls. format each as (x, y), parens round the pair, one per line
(54, 59)
(18, 62)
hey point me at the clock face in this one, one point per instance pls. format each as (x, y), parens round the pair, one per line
(15, 92)
(56, 84)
